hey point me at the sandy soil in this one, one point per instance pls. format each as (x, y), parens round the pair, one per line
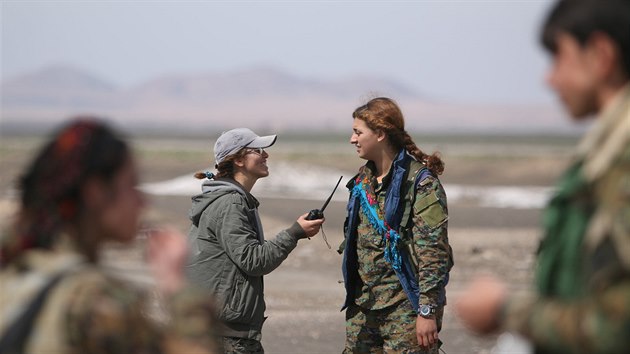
(304, 294)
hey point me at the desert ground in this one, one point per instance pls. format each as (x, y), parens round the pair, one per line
(304, 294)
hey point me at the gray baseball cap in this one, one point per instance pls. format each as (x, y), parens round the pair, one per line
(234, 140)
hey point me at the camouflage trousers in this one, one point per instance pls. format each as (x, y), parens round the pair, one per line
(235, 345)
(389, 330)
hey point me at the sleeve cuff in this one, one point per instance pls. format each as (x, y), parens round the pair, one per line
(296, 231)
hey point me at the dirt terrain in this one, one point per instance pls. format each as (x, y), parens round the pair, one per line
(304, 294)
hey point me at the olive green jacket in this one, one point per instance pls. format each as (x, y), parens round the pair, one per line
(229, 254)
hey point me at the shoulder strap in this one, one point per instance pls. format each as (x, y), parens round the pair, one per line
(417, 173)
(16, 335)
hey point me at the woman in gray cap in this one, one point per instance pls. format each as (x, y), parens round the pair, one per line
(229, 254)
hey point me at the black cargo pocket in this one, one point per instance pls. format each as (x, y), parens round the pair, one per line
(430, 210)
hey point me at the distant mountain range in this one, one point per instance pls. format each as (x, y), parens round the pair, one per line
(263, 98)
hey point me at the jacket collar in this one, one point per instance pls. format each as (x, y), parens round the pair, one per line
(395, 180)
(608, 137)
(251, 200)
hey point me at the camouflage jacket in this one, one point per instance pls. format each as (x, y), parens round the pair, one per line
(427, 256)
(583, 270)
(89, 311)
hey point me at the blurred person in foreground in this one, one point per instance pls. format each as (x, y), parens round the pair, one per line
(581, 302)
(80, 192)
(229, 252)
(396, 254)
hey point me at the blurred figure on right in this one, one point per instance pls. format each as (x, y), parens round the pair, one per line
(581, 303)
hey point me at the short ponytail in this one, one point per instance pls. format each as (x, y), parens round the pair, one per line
(225, 169)
(203, 175)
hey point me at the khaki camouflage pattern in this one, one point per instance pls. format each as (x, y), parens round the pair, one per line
(430, 240)
(235, 345)
(382, 318)
(598, 320)
(380, 286)
(88, 311)
(390, 330)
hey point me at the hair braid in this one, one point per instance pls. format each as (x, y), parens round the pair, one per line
(383, 114)
(433, 162)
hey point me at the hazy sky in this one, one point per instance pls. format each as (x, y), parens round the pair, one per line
(471, 51)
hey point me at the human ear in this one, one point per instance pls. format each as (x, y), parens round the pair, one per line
(240, 162)
(380, 135)
(605, 55)
(94, 193)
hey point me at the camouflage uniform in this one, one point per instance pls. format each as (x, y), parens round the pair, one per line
(583, 272)
(242, 345)
(391, 330)
(381, 316)
(88, 311)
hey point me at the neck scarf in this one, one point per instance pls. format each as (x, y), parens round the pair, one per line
(559, 267)
(366, 195)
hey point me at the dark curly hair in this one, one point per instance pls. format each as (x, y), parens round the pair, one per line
(50, 189)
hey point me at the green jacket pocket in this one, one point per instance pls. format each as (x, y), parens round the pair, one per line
(430, 210)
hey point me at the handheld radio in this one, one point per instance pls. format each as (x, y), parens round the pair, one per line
(317, 214)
